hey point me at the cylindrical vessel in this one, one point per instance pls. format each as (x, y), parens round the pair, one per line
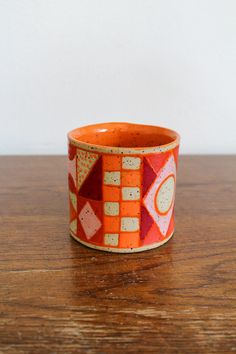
(122, 180)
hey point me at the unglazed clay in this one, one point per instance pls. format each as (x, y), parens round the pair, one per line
(122, 180)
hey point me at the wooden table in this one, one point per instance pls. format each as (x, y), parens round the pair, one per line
(57, 296)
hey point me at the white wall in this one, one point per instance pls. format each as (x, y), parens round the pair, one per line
(68, 63)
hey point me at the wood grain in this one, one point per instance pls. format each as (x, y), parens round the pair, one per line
(57, 296)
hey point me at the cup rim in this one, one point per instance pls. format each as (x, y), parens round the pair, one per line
(124, 150)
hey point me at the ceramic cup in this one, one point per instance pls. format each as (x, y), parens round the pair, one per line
(122, 180)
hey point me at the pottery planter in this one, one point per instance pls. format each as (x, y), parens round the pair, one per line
(122, 180)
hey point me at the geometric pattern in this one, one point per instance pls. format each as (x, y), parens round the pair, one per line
(111, 199)
(73, 200)
(161, 194)
(73, 225)
(152, 236)
(89, 221)
(121, 198)
(92, 185)
(72, 168)
(146, 222)
(121, 201)
(111, 208)
(111, 239)
(148, 176)
(72, 187)
(85, 161)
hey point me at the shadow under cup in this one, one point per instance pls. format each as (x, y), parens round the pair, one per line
(122, 180)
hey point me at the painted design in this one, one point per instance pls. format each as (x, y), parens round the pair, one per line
(148, 176)
(111, 239)
(85, 161)
(93, 216)
(72, 184)
(146, 222)
(112, 178)
(165, 194)
(152, 236)
(131, 163)
(89, 221)
(72, 189)
(130, 208)
(160, 194)
(130, 193)
(73, 225)
(73, 199)
(129, 224)
(111, 199)
(73, 212)
(92, 185)
(72, 169)
(111, 208)
(129, 240)
(71, 151)
(121, 202)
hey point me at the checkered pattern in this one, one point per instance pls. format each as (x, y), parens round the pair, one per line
(121, 200)
(111, 199)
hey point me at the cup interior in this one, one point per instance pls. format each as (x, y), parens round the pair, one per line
(126, 135)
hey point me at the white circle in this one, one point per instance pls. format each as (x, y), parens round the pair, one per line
(165, 195)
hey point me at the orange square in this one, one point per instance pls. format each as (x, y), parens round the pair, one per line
(111, 163)
(129, 239)
(130, 208)
(111, 194)
(111, 224)
(130, 178)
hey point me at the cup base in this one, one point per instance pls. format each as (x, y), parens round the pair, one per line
(122, 250)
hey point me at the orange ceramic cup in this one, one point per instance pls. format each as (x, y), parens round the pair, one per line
(122, 180)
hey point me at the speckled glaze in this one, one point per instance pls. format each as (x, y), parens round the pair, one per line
(122, 180)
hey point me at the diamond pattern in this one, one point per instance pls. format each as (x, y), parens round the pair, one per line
(169, 168)
(89, 221)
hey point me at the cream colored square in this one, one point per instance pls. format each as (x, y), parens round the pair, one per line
(130, 193)
(111, 239)
(112, 178)
(111, 208)
(131, 163)
(129, 224)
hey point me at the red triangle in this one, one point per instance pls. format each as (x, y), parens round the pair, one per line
(157, 161)
(176, 154)
(92, 186)
(146, 222)
(148, 176)
(153, 235)
(73, 213)
(71, 151)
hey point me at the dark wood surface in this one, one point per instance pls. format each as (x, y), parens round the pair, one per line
(57, 296)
